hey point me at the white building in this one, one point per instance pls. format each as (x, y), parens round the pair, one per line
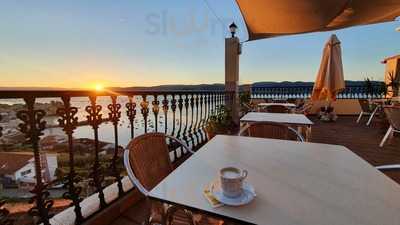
(19, 168)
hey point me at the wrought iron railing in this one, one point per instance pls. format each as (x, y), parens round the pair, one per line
(305, 91)
(183, 114)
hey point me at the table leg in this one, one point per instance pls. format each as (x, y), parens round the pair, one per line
(308, 133)
(244, 128)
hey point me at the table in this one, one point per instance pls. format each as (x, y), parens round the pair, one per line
(299, 120)
(296, 183)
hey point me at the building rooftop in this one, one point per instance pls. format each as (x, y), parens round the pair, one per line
(13, 161)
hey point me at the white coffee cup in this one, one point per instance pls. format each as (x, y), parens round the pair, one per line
(232, 181)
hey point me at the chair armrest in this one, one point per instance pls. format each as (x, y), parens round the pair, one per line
(388, 167)
(299, 136)
(181, 143)
(132, 176)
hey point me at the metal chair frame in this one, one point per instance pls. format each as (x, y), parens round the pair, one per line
(392, 128)
(291, 129)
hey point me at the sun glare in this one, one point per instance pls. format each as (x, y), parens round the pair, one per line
(99, 87)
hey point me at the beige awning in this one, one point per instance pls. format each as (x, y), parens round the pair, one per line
(269, 18)
(330, 80)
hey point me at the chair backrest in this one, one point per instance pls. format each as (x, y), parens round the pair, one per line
(149, 159)
(273, 130)
(277, 109)
(365, 106)
(393, 115)
(292, 100)
(280, 101)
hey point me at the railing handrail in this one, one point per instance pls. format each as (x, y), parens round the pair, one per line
(6, 94)
(176, 107)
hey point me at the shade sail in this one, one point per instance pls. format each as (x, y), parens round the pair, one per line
(269, 18)
(330, 80)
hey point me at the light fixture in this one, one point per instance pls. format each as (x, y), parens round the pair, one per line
(233, 28)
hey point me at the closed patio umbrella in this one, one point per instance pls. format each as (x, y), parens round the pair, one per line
(329, 81)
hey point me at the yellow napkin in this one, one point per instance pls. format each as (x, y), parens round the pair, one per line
(210, 197)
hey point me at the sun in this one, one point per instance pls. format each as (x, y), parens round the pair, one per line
(98, 87)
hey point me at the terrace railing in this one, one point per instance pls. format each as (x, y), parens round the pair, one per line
(179, 113)
(305, 91)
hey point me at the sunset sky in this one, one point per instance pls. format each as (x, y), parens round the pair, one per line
(79, 44)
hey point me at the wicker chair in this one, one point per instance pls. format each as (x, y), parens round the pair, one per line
(367, 109)
(393, 116)
(276, 109)
(147, 162)
(272, 130)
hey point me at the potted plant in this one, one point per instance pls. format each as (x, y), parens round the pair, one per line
(394, 84)
(220, 122)
(245, 102)
(369, 88)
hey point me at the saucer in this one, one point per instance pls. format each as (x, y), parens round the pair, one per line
(246, 197)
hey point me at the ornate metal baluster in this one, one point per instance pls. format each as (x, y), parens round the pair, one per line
(205, 111)
(180, 106)
(185, 131)
(1, 129)
(32, 126)
(114, 116)
(145, 111)
(201, 122)
(213, 99)
(196, 128)
(69, 121)
(173, 108)
(94, 120)
(131, 113)
(165, 110)
(4, 213)
(156, 109)
(191, 120)
(209, 101)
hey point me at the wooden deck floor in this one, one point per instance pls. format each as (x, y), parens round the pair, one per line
(361, 139)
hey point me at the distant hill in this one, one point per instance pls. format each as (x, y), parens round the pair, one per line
(306, 84)
(211, 87)
(174, 87)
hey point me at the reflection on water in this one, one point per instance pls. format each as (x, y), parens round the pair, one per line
(106, 129)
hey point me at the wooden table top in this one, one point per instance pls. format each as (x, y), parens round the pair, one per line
(288, 118)
(296, 183)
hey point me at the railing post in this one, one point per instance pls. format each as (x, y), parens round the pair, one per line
(94, 120)
(69, 121)
(32, 126)
(173, 108)
(165, 110)
(131, 113)
(145, 111)
(185, 131)
(114, 116)
(232, 52)
(156, 109)
(4, 213)
(180, 106)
